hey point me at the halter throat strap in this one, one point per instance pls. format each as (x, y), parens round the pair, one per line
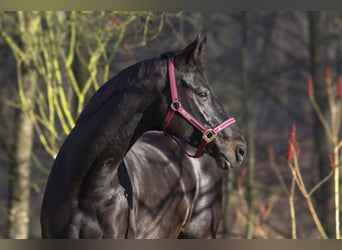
(208, 135)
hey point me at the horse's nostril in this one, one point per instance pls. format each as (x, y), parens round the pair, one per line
(241, 152)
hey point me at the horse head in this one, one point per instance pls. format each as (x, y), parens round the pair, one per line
(200, 115)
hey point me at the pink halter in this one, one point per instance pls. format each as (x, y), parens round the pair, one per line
(208, 135)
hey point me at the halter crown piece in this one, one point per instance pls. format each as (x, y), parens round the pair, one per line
(208, 135)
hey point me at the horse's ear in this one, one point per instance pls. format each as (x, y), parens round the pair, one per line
(193, 51)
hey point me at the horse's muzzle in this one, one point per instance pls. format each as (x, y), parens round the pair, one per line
(230, 153)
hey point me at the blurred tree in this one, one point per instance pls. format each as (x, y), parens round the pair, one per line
(27, 27)
(321, 142)
(248, 121)
(251, 82)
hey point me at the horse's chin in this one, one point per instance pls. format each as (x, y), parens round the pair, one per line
(227, 165)
(223, 162)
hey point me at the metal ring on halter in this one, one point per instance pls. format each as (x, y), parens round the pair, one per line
(176, 105)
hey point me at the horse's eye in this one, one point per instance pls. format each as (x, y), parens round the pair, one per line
(202, 93)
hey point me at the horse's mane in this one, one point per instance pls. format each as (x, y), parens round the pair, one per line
(129, 77)
(124, 79)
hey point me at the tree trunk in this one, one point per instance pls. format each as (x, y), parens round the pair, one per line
(19, 196)
(228, 187)
(24, 50)
(321, 146)
(248, 126)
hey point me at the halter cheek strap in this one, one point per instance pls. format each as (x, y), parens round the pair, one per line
(208, 135)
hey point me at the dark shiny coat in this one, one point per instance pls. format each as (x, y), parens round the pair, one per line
(168, 193)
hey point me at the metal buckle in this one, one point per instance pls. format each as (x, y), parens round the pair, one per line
(209, 135)
(176, 105)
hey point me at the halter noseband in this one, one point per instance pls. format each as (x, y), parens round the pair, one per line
(208, 135)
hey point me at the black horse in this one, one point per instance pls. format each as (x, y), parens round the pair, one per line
(169, 194)
(81, 198)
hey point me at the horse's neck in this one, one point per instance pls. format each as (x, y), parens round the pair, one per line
(106, 134)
